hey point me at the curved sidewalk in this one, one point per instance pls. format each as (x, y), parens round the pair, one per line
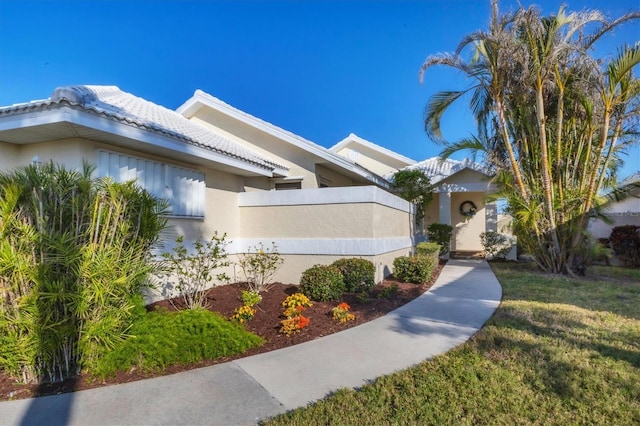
(246, 390)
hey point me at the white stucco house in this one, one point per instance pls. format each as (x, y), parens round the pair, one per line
(458, 185)
(623, 212)
(224, 170)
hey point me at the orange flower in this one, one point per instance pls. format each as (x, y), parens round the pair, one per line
(344, 306)
(302, 322)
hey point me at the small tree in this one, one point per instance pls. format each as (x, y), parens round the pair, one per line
(414, 186)
(195, 271)
(260, 266)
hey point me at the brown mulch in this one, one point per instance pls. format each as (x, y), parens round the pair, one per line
(266, 323)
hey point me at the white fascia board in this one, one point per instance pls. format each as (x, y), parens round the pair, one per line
(466, 187)
(31, 119)
(324, 246)
(321, 196)
(200, 99)
(81, 118)
(374, 147)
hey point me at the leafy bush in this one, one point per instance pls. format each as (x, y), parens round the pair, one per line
(414, 269)
(601, 251)
(358, 274)
(195, 271)
(251, 298)
(75, 252)
(496, 245)
(260, 266)
(322, 283)
(625, 242)
(161, 338)
(440, 233)
(389, 292)
(428, 248)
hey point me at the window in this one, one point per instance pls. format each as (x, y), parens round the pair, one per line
(283, 186)
(182, 188)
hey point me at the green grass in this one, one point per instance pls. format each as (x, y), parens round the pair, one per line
(161, 338)
(557, 351)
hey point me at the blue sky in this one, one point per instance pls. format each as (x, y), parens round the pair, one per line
(321, 69)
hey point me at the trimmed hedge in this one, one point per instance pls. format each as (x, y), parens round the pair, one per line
(322, 283)
(358, 274)
(428, 248)
(415, 269)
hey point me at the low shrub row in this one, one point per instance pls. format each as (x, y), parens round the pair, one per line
(329, 282)
(419, 268)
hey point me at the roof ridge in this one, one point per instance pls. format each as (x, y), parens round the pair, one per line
(114, 103)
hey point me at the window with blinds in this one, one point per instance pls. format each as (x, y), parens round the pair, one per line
(182, 188)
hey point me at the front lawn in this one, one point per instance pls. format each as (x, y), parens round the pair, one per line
(557, 351)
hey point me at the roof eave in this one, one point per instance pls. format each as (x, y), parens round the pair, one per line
(76, 115)
(391, 154)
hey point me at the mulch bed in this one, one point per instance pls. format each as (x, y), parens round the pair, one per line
(266, 323)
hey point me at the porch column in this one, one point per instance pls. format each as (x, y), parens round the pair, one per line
(445, 207)
(445, 212)
(491, 217)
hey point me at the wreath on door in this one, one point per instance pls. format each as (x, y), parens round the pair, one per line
(468, 209)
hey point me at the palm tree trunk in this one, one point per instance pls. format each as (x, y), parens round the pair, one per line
(546, 177)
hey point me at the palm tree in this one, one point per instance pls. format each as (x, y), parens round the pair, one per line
(551, 120)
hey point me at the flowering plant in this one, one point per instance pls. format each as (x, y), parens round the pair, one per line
(295, 300)
(293, 311)
(293, 306)
(243, 313)
(251, 298)
(342, 314)
(292, 325)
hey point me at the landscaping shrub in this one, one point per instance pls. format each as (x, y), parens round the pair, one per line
(322, 283)
(389, 292)
(161, 338)
(74, 256)
(196, 271)
(625, 242)
(260, 266)
(496, 246)
(440, 233)
(414, 269)
(358, 274)
(428, 248)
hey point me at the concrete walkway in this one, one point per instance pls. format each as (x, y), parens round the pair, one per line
(246, 390)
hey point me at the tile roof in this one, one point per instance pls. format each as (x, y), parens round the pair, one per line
(115, 104)
(438, 170)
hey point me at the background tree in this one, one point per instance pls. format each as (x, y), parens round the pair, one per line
(414, 186)
(552, 121)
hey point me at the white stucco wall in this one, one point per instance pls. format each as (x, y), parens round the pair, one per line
(300, 163)
(321, 225)
(625, 212)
